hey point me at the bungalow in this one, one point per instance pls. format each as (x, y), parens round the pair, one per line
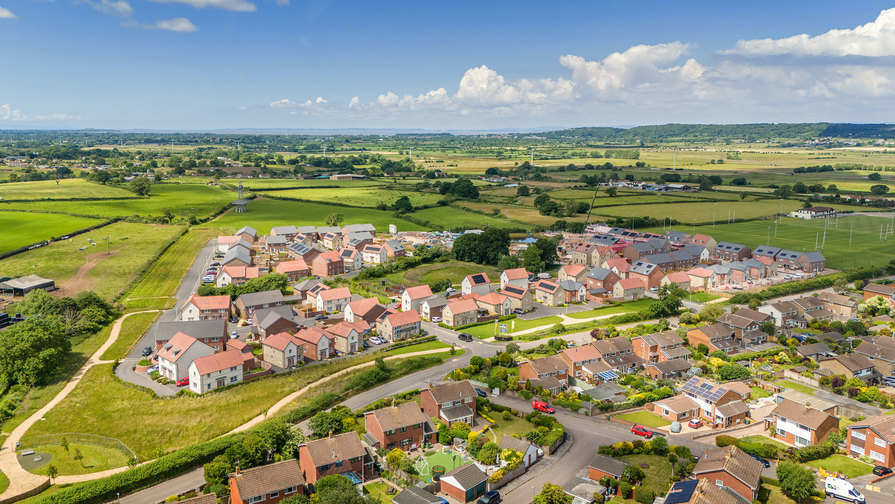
(732, 468)
(327, 264)
(267, 484)
(477, 283)
(852, 366)
(659, 347)
(178, 353)
(216, 371)
(716, 337)
(211, 332)
(494, 304)
(678, 279)
(669, 369)
(549, 293)
(395, 326)
(432, 306)
(517, 277)
(603, 465)
(719, 405)
(283, 350)
(702, 279)
(575, 272)
(287, 232)
(318, 345)
(873, 437)
(345, 337)
(412, 297)
(339, 454)
(450, 402)
(842, 306)
(460, 313)
(366, 309)
(648, 273)
(403, 426)
(206, 308)
(237, 275)
(679, 408)
(294, 269)
(629, 289)
(544, 367)
(577, 357)
(520, 298)
(333, 300)
(730, 252)
(465, 483)
(374, 254)
(246, 304)
(619, 266)
(801, 425)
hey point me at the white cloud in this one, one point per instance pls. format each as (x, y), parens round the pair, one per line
(320, 99)
(6, 14)
(287, 103)
(354, 102)
(876, 38)
(7, 113)
(178, 25)
(118, 8)
(231, 5)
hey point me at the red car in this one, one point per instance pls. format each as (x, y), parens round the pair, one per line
(542, 407)
(695, 423)
(641, 431)
(183, 382)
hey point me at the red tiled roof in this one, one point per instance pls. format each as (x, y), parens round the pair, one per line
(581, 353)
(516, 274)
(418, 292)
(330, 256)
(338, 293)
(342, 329)
(620, 264)
(180, 342)
(573, 269)
(678, 277)
(228, 240)
(463, 306)
(484, 277)
(219, 361)
(246, 272)
(280, 341)
(630, 283)
(767, 261)
(210, 302)
(311, 335)
(398, 319)
(290, 266)
(701, 272)
(492, 298)
(362, 306)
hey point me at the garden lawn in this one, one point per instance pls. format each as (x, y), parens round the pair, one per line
(421, 347)
(615, 309)
(702, 297)
(501, 427)
(758, 393)
(95, 459)
(796, 386)
(455, 271)
(378, 491)
(25, 228)
(842, 464)
(442, 459)
(513, 326)
(644, 418)
(4, 482)
(132, 329)
(658, 471)
(758, 438)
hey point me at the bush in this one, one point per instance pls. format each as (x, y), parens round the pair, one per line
(725, 440)
(507, 415)
(644, 495)
(624, 489)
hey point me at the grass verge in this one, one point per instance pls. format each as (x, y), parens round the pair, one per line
(644, 418)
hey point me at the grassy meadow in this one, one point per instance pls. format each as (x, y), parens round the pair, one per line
(359, 196)
(65, 189)
(24, 228)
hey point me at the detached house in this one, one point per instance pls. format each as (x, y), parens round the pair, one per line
(206, 308)
(237, 275)
(520, 298)
(394, 249)
(247, 233)
(266, 484)
(339, 454)
(294, 270)
(744, 320)
(666, 369)
(450, 402)
(345, 337)
(374, 254)
(460, 313)
(702, 278)
(574, 272)
(628, 289)
(333, 300)
(211, 332)
(678, 279)
(873, 437)
(432, 307)
(412, 297)
(802, 425)
(403, 426)
(517, 277)
(274, 245)
(366, 309)
(246, 304)
(178, 353)
(477, 283)
(719, 405)
(842, 306)
(732, 468)
(852, 365)
(618, 265)
(577, 357)
(600, 282)
(494, 304)
(283, 350)
(704, 241)
(395, 326)
(217, 370)
(540, 371)
(549, 293)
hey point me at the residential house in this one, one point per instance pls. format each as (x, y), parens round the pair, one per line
(604, 465)
(702, 279)
(648, 273)
(700, 254)
(574, 272)
(374, 254)
(216, 370)
(477, 283)
(703, 491)
(766, 251)
(618, 265)
(287, 232)
(327, 264)
(744, 320)
(545, 367)
(339, 454)
(732, 468)
(274, 245)
(403, 426)
(581, 253)
(358, 228)
(351, 259)
(450, 402)
(415, 495)
(237, 275)
(663, 260)
(432, 306)
(629, 289)
(549, 293)
(573, 292)
(577, 357)
(873, 437)
(325, 230)
(520, 298)
(815, 351)
(784, 313)
(813, 212)
(205, 308)
(494, 304)
(600, 281)
(465, 483)
(679, 408)
(267, 484)
(881, 351)
(178, 353)
(224, 243)
(669, 369)
(247, 233)
(211, 332)
(843, 307)
(246, 304)
(394, 249)
(333, 300)
(719, 405)
(517, 277)
(237, 256)
(704, 241)
(801, 426)
(268, 321)
(318, 345)
(366, 309)
(852, 365)
(331, 241)
(283, 350)
(637, 250)
(658, 347)
(294, 270)
(731, 252)
(395, 326)
(598, 372)
(618, 354)
(412, 297)
(460, 313)
(678, 280)
(345, 337)
(716, 337)
(872, 290)
(812, 308)
(303, 251)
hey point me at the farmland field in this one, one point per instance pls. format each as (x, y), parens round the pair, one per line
(66, 189)
(457, 218)
(702, 212)
(359, 196)
(131, 246)
(24, 228)
(265, 184)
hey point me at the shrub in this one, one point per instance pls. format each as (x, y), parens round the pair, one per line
(725, 440)
(644, 495)
(507, 415)
(624, 489)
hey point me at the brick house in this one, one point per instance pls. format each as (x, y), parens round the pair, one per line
(395, 326)
(668, 369)
(873, 437)
(572, 291)
(517, 277)
(887, 291)
(679, 408)
(465, 483)
(635, 251)
(266, 484)
(732, 468)
(618, 354)
(852, 366)
(217, 370)
(333, 300)
(412, 297)
(287, 232)
(246, 304)
(715, 336)
(731, 252)
(603, 465)
(211, 332)
(577, 357)
(247, 233)
(618, 265)
(337, 454)
(842, 306)
(477, 283)
(600, 281)
(283, 350)
(658, 347)
(650, 274)
(366, 309)
(719, 405)
(206, 308)
(544, 367)
(274, 320)
(800, 425)
(744, 320)
(432, 307)
(519, 297)
(327, 264)
(461, 312)
(318, 345)
(294, 269)
(274, 245)
(394, 249)
(403, 426)
(450, 402)
(178, 353)
(303, 251)
(237, 275)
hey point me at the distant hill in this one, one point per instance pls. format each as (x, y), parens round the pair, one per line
(707, 132)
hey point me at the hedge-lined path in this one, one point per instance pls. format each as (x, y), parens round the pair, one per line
(21, 481)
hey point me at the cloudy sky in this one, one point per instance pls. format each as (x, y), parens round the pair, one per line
(215, 64)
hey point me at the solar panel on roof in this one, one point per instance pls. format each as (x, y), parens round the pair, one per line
(478, 278)
(607, 375)
(681, 492)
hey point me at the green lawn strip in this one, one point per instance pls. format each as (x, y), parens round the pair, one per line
(758, 438)
(369, 197)
(455, 271)
(658, 471)
(513, 325)
(4, 482)
(758, 393)
(429, 345)
(165, 274)
(842, 464)
(630, 306)
(73, 188)
(796, 386)
(25, 228)
(378, 492)
(644, 418)
(701, 297)
(132, 329)
(94, 459)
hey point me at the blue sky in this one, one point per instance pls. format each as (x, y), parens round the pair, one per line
(215, 64)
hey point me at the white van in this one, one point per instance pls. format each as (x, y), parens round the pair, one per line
(841, 489)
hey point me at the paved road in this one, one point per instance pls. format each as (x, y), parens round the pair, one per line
(175, 486)
(190, 284)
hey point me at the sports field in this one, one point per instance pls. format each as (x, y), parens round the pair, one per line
(24, 228)
(65, 189)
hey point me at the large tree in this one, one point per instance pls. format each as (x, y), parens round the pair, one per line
(483, 248)
(31, 349)
(552, 494)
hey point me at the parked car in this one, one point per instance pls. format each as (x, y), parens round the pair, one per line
(233, 335)
(465, 336)
(215, 263)
(183, 382)
(518, 311)
(694, 423)
(436, 319)
(881, 470)
(153, 369)
(763, 461)
(376, 340)
(542, 407)
(653, 289)
(841, 489)
(208, 279)
(481, 393)
(366, 344)
(320, 317)
(147, 351)
(640, 430)
(492, 497)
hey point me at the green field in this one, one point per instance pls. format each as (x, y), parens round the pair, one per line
(513, 326)
(455, 271)
(457, 218)
(132, 246)
(796, 386)
(368, 197)
(94, 459)
(702, 212)
(24, 228)
(658, 471)
(630, 306)
(264, 214)
(132, 329)
(644, 418)
(65, 189)
(269, 184)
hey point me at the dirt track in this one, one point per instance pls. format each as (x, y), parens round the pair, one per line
(79, 281)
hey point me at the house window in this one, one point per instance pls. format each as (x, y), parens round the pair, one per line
(879, 457)
(257, 498)
(879, 442)
(339, 463)
(274, 494)
(859, 450)
(290, 490)
(800, 441)
(719, 483)
(323, 467)
(858, 435)
(232, 379)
